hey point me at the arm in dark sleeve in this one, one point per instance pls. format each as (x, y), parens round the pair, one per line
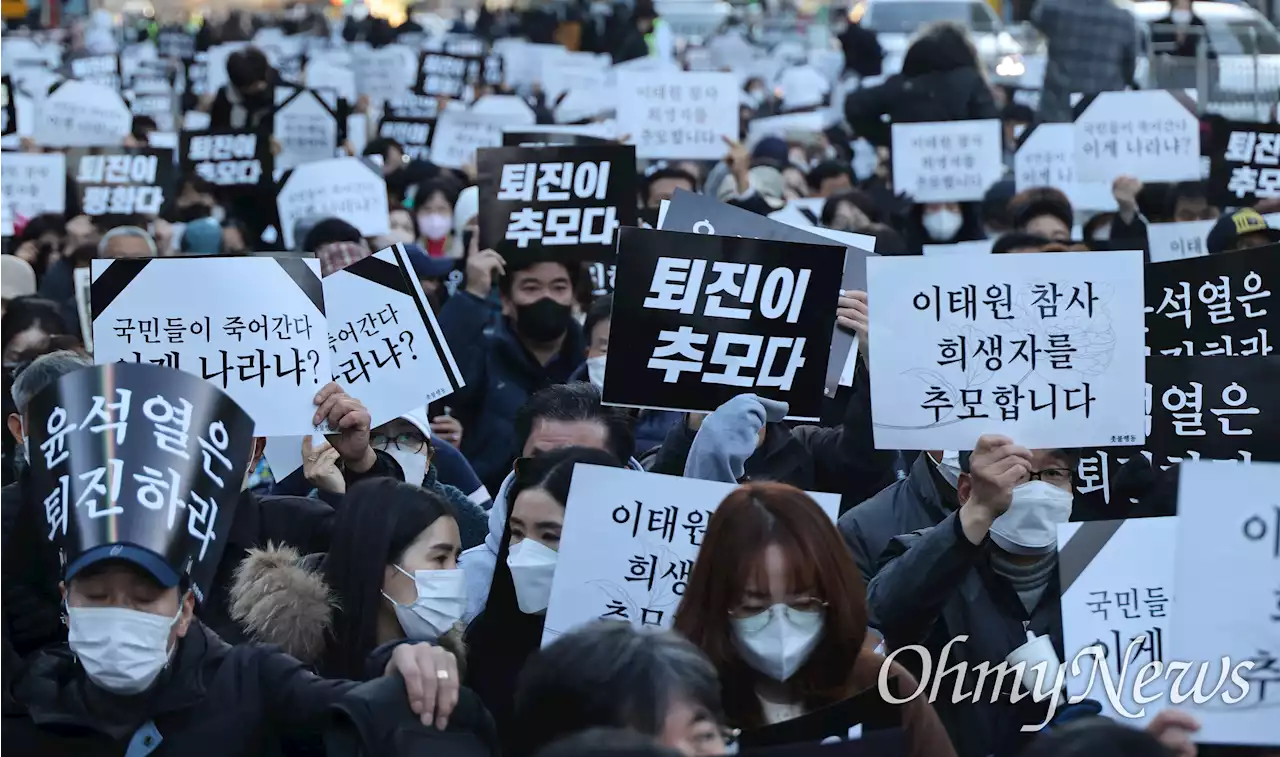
(981, 104)
(297, 701)
(384, 466)
(674, 451)
(1130, 235)
(918, 573)
(863, 109)
(463, 320)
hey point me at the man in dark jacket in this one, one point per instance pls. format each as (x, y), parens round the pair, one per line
(537, 344)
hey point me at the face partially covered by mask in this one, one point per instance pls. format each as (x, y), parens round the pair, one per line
(543, 320)
(1030, 525)
(778, 641)
(942, 223)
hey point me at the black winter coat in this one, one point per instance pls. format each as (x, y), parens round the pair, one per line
(960, 94)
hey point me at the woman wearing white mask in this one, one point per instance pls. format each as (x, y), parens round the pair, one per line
(434, 208)
(777, 604)
(942, 223)
(509, 629)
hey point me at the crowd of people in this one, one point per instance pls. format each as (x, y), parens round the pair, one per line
(390, 596)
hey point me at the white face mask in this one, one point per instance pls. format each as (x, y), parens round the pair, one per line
(595, 371)
(442, 598)
(122, 650)
(435, 226)
(942, 225)
(532, 564)
(414, 464)
(1180, 17)
(950, 467)
(779, 640)
(1030, 526)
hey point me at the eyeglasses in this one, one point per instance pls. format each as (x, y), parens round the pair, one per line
(1055, 476)
(799, 604)
(408, 442)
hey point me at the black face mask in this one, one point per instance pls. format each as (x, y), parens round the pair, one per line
(650, 216)
(195, 211)
(543, 321)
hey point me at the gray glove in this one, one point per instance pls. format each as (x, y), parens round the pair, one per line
(729, 436)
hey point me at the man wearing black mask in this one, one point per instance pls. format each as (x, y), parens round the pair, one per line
(248, 98)
(538, 343)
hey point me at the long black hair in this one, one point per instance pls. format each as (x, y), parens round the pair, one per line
(377, 522)
(941, 46)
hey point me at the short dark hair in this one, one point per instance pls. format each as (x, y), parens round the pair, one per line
(381, 146)
(609, 673)
(576, 401)
(666, 172)
(1186, 190)
(142, 127)
(552, 471)
(45, 223)
(22, 313)
(600, 310)
(507, 279)
(328, 231)
(607, 742)
(855, 197)
(827, 169)
(1015, 240)
(247, 66)
(442, 184)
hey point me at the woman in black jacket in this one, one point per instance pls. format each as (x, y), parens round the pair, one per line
(941, 80)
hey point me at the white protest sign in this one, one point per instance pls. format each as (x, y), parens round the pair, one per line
(339, 79)
(678, 114)
(253, 326)
(1117, 581)
(459, 134)
(808, 123)
(628, 545)
(602, 130)
(384, 73)
(346, 188)
(1047, 158)
(284, 454)
(81, 114)
(954, 161)
(1149, 134)
(32, 183)
(572, 74)
(512, 109)
(304, 128)
(1173, 241)
(976, 247)
(1045, 348)
(386, 348)
(1227, 611)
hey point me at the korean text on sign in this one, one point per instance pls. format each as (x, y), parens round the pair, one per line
(225, 159)
(1248, 168)
(678, 114)
(1216, 305)
(947, 162)
(123, 184)
(558, 182)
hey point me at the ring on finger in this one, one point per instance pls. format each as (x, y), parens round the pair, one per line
(442, 675)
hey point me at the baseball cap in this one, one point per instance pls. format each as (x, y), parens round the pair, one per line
(154, 564)
(1225, 234)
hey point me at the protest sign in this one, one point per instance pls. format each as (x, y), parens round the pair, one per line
(1212, 305)
(80, 114)
(94, 69)
(125, 182)
(555, 203)
(408, 105)
(1197, 408)
(678, 114)
(977, 247)
(337, 79)
(852, 720)
(1150, 134)
(455, 76)
(171, 486)
(348, 188)
(1245, 163)
(226, 158)
(1046, 157)
(413, 134)
(254, 327)
(629, 543)
(304, 127)
(699, 214)
(158, 106)
(1117, 595)
(1174, 241)
(954, 161)
(737, 315)
(82, 280)
(386, 348)
(385, 72)
(574, 74)
(549, 135)
(32, 183)
(175, 43)
(459, 134)
(8, 107)
(1045, 348)
(1229, 536)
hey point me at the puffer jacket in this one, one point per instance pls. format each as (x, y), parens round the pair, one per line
(959, 94)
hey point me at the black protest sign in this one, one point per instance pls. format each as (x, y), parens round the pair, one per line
(705, 318)
(555, 203)
(125, 181)
(539, 138)
(1211, 408)
(143, 455)
(862, 713)
(175, 43)
(195, 76)
(1245, 160)
(410, 106)
(99, 69)
(10, 109)
(413, 134)
(226, 158)
(887, 743)
(161, 107)
(1213, 305)
(456, 76)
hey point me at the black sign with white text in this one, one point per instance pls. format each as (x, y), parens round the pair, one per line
(456, 76)
(125, 181)
(1213, 305)
(1245, 163)
(226, 159)
(143, 455)
(555, 203)
(413, 134)
(705, 318)
(175, 43)
(411, 105)
(10, 109)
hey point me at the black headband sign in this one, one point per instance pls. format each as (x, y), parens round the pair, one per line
(140, 455)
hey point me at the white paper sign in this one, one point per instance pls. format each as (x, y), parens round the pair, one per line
(338, 79)
(248, 325)
(1045, 348)
(80, 114)
(977, 247)
(1148, 134)
(459, 134)
(346, 188)
(1118, 580)
(385, 72)
(386, 348)
(628, 545)
(34, 183)
(305, 129)
(570, 74)
(675, 114)
(1228, 604)
(1174, 241)
(284, 454)
(1047, 158)
(953, 161)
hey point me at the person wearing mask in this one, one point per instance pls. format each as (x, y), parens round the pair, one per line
(1093, 47)
(202, 236)
(247, 100)
(1044, 212)
(942, 79)
(829, 178)
(537, 344)
(1242, 230)
(662, 185)
(1180, 33)
(941, 223)
(851, 211)
(434, 203)
(775, 602)
(609, 674)
(562, 415)
(509, 629)
(390, 575)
